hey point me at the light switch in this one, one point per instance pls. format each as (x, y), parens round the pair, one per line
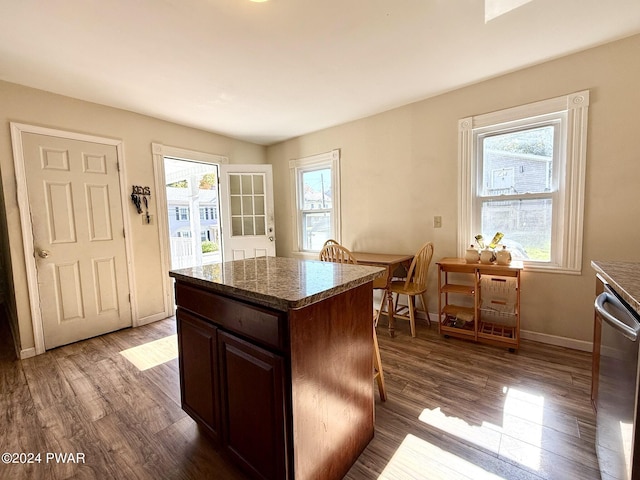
(437, 221)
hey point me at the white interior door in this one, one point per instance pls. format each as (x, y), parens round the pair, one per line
(246, 193)
(78, 237)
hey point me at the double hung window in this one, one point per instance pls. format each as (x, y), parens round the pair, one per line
(522, 174)
(315, 186)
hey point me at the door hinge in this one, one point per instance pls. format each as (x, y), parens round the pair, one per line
(129, 298)
(124, 233)
(118, 166)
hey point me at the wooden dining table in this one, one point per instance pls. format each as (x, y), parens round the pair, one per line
(391, 262)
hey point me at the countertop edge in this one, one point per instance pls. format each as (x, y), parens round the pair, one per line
(269, 301)
(607, 271)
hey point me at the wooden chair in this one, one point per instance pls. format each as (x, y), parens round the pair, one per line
(415, 285)
(331, 241)
(339, 254)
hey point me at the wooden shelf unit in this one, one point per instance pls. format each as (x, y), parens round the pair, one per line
(462, 313)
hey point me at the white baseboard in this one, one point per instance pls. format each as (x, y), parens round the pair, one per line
(150, 319)
(27, 353)
(558, 341)
(540, 337)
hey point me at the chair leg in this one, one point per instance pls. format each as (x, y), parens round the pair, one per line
(392, 326)
(379, 311)
(412, 315)
(426, 309)
(377, 365)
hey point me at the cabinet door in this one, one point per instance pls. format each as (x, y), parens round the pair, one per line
(253, 406)
(199, 384)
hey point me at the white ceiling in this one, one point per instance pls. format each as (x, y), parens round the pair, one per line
(265, 72)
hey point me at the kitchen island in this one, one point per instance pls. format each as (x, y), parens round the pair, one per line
(276, 362)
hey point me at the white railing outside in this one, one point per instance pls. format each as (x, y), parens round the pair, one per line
(182, 254)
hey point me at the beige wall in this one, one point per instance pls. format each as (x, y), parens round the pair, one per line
(36, 107)
(400, 168)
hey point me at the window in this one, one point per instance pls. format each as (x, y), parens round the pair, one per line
(182, 213)
(208, 213)
(315, 187)
(522, 174)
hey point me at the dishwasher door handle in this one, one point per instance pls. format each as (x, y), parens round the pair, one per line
(626, 330)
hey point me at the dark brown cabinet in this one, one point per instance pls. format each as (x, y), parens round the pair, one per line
(253, 405)
(197, 342)
(235, 390)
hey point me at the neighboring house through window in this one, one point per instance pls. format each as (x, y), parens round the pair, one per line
(522, 173)
(315, 187)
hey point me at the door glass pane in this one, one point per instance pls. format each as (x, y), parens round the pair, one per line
(258, 184)
(236, 226)
(258, 202)
(526, 225)
(248, 226)
(247, 184)
(260, 225)
(247, 205)
(236, 208)
(234, 184)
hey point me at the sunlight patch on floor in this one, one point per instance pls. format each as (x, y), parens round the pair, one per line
(518, 437)
(417, 459)
(151, 354)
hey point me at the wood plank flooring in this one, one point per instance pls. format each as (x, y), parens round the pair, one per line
(455, 410)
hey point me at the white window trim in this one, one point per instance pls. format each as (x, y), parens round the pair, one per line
(330, 159)
(576, 106)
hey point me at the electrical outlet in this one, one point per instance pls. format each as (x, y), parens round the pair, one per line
(437, 221)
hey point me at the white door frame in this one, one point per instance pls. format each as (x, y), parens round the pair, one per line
(159, 152)
(17, 129)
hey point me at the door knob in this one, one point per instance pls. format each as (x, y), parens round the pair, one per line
(271, 239)
(44, 253)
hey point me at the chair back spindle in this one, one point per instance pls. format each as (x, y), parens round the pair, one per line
(420, 267)
(338, 254)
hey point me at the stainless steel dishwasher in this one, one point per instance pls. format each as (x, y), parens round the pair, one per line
(617, 439)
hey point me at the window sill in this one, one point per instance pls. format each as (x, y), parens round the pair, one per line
(541, 268)
(306, 255)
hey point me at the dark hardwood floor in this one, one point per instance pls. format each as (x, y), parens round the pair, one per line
(454, 410)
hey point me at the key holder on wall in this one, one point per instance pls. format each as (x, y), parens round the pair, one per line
(139, 197)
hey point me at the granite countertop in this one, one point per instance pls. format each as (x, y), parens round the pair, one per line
(278, 282)
(624, 277)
